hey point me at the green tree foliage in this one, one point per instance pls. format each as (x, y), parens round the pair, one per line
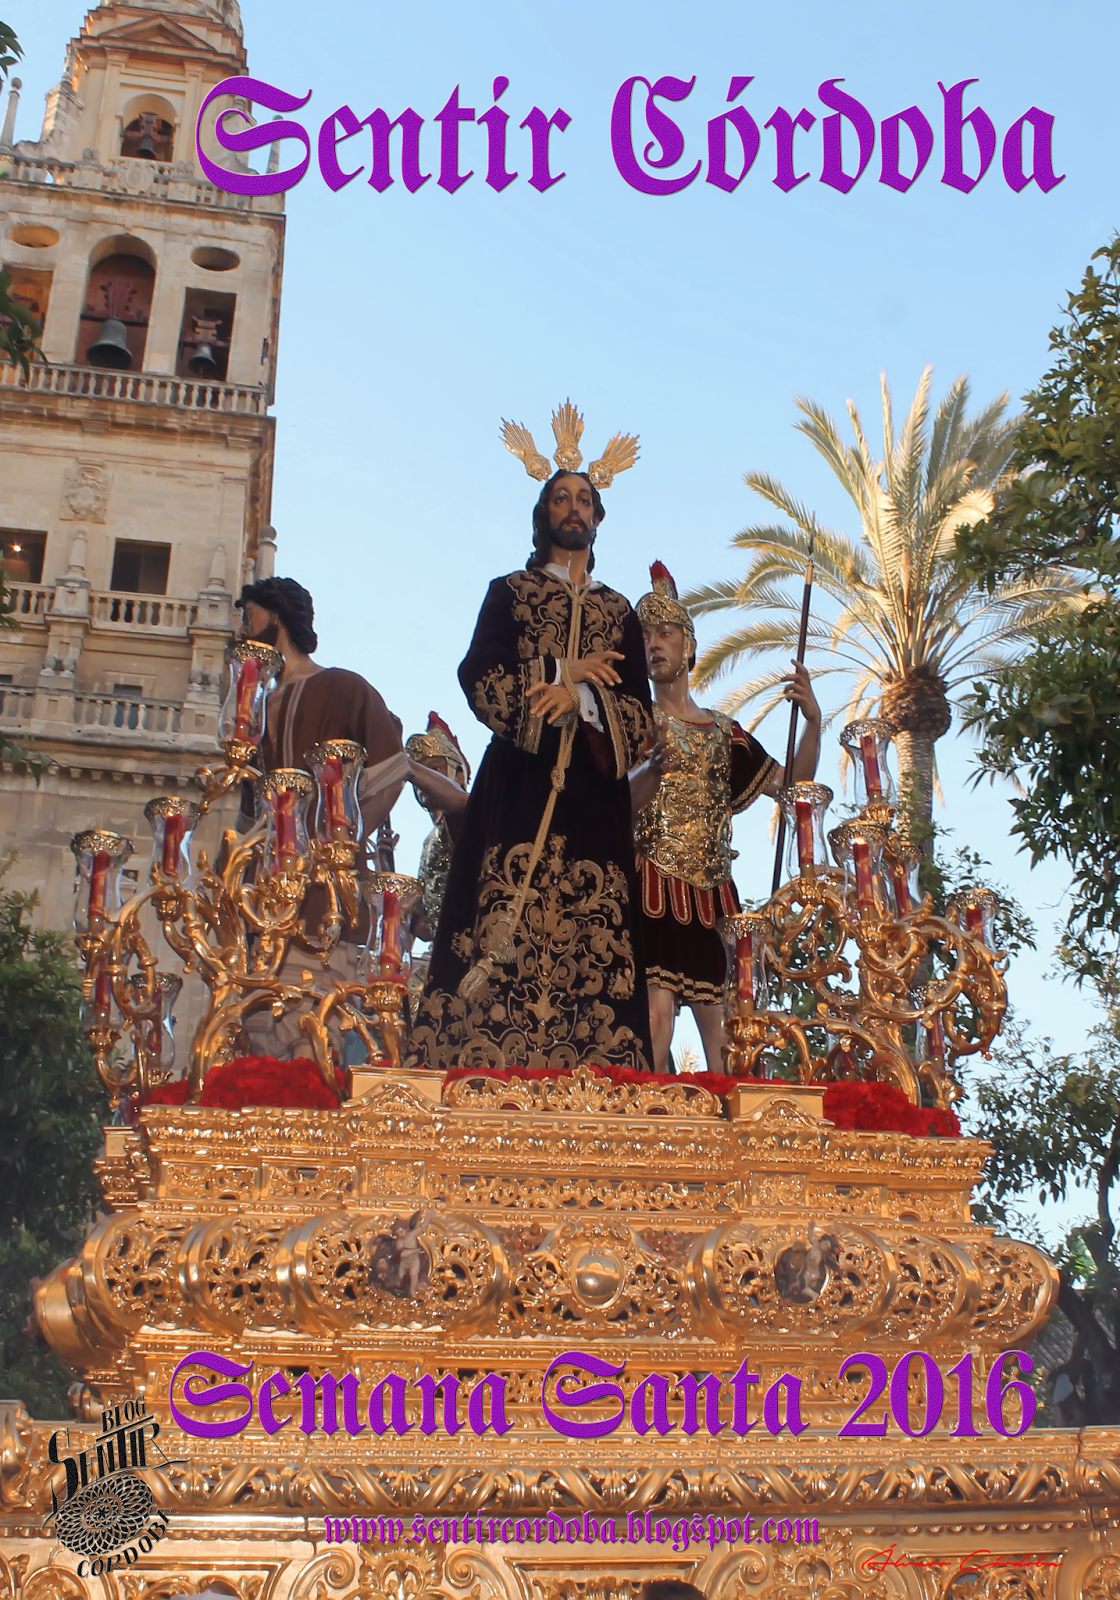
(50, 1106)
(1054, 1121)
(20, 332)
(1051, 720)
(10, 50)
(22, 758)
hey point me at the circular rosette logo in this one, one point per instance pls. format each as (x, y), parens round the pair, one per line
(104, 1515)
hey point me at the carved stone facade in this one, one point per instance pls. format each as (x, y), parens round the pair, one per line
(137, 497)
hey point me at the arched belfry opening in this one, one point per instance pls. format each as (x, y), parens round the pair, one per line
(113, 330)
(148, 128)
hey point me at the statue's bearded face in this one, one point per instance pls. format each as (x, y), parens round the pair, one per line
(571, 512)
(259, 624)
(667, 651)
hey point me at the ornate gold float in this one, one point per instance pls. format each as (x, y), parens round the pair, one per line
(455, 1232)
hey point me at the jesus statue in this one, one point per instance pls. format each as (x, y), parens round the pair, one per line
(534, 962)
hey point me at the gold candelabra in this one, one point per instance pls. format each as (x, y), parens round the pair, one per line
(290, 887)
(860, 959)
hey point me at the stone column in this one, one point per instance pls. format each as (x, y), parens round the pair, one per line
(67, 626)
(210, 632)
(266, 553)
(68, 618)
(8, 134)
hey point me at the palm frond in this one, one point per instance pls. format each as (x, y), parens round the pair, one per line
(712, 597)
(779, 496)
(850, 466)
(906, 461)
(947, 423)
(833, 553)
(898, 601)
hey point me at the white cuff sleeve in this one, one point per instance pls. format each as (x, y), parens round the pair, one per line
(588, 706)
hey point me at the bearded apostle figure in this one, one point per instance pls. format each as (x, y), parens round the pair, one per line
(310, 705)
(535, 961)
(705, 768)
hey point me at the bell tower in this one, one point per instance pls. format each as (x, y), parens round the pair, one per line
(138, 460)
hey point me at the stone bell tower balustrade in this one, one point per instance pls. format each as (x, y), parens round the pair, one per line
(142, 180)
(139, 388)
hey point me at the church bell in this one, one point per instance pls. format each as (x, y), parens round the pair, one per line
(111, 348)
(146, 148)
(202, 363)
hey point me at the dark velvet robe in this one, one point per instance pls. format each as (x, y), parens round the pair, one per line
(575, 990)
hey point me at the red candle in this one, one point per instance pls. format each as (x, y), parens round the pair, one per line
(334, 800)
(247, 682)
(744, 969)
(102, 993)
(871, 775)
(902, 889)
(173, 830)
(287, 842)
(935, 1039)
(974, 921)
(98, 885)
(390, 935)
(804, 810)
(861, 860)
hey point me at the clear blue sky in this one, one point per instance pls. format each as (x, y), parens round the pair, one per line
(413, 322)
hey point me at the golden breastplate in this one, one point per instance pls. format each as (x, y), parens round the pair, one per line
(686, 829)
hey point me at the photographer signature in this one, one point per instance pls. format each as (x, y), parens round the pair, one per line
(975, 1561)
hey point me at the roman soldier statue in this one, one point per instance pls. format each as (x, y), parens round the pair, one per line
(704, 769)
(437, 751)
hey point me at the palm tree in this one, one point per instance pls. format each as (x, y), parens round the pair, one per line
(909, 629)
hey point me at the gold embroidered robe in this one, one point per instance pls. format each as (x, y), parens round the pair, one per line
(575, 989)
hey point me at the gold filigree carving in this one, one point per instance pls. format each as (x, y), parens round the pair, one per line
(1019, 1286)
(572, 955)
(584, 1090)
(329, 1271)
(228, 1269)
(129, 1272)
(594, 1274)
(797, 1280)
(603, 1587)
(1102, 1582)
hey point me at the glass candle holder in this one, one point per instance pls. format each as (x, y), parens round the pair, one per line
(901, 864)
(253, 668)
(866, 743)
(97, 1011)
(745, 937)
(857, 847)
(100, 856)
(975, 912)
(172, 821)
(803, 806)
(337, 765)
(152, 1007)
(391, 897)
(929, 1044)
(284, 796)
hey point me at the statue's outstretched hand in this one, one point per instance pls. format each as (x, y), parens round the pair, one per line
(552, 701)
(596, 668)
